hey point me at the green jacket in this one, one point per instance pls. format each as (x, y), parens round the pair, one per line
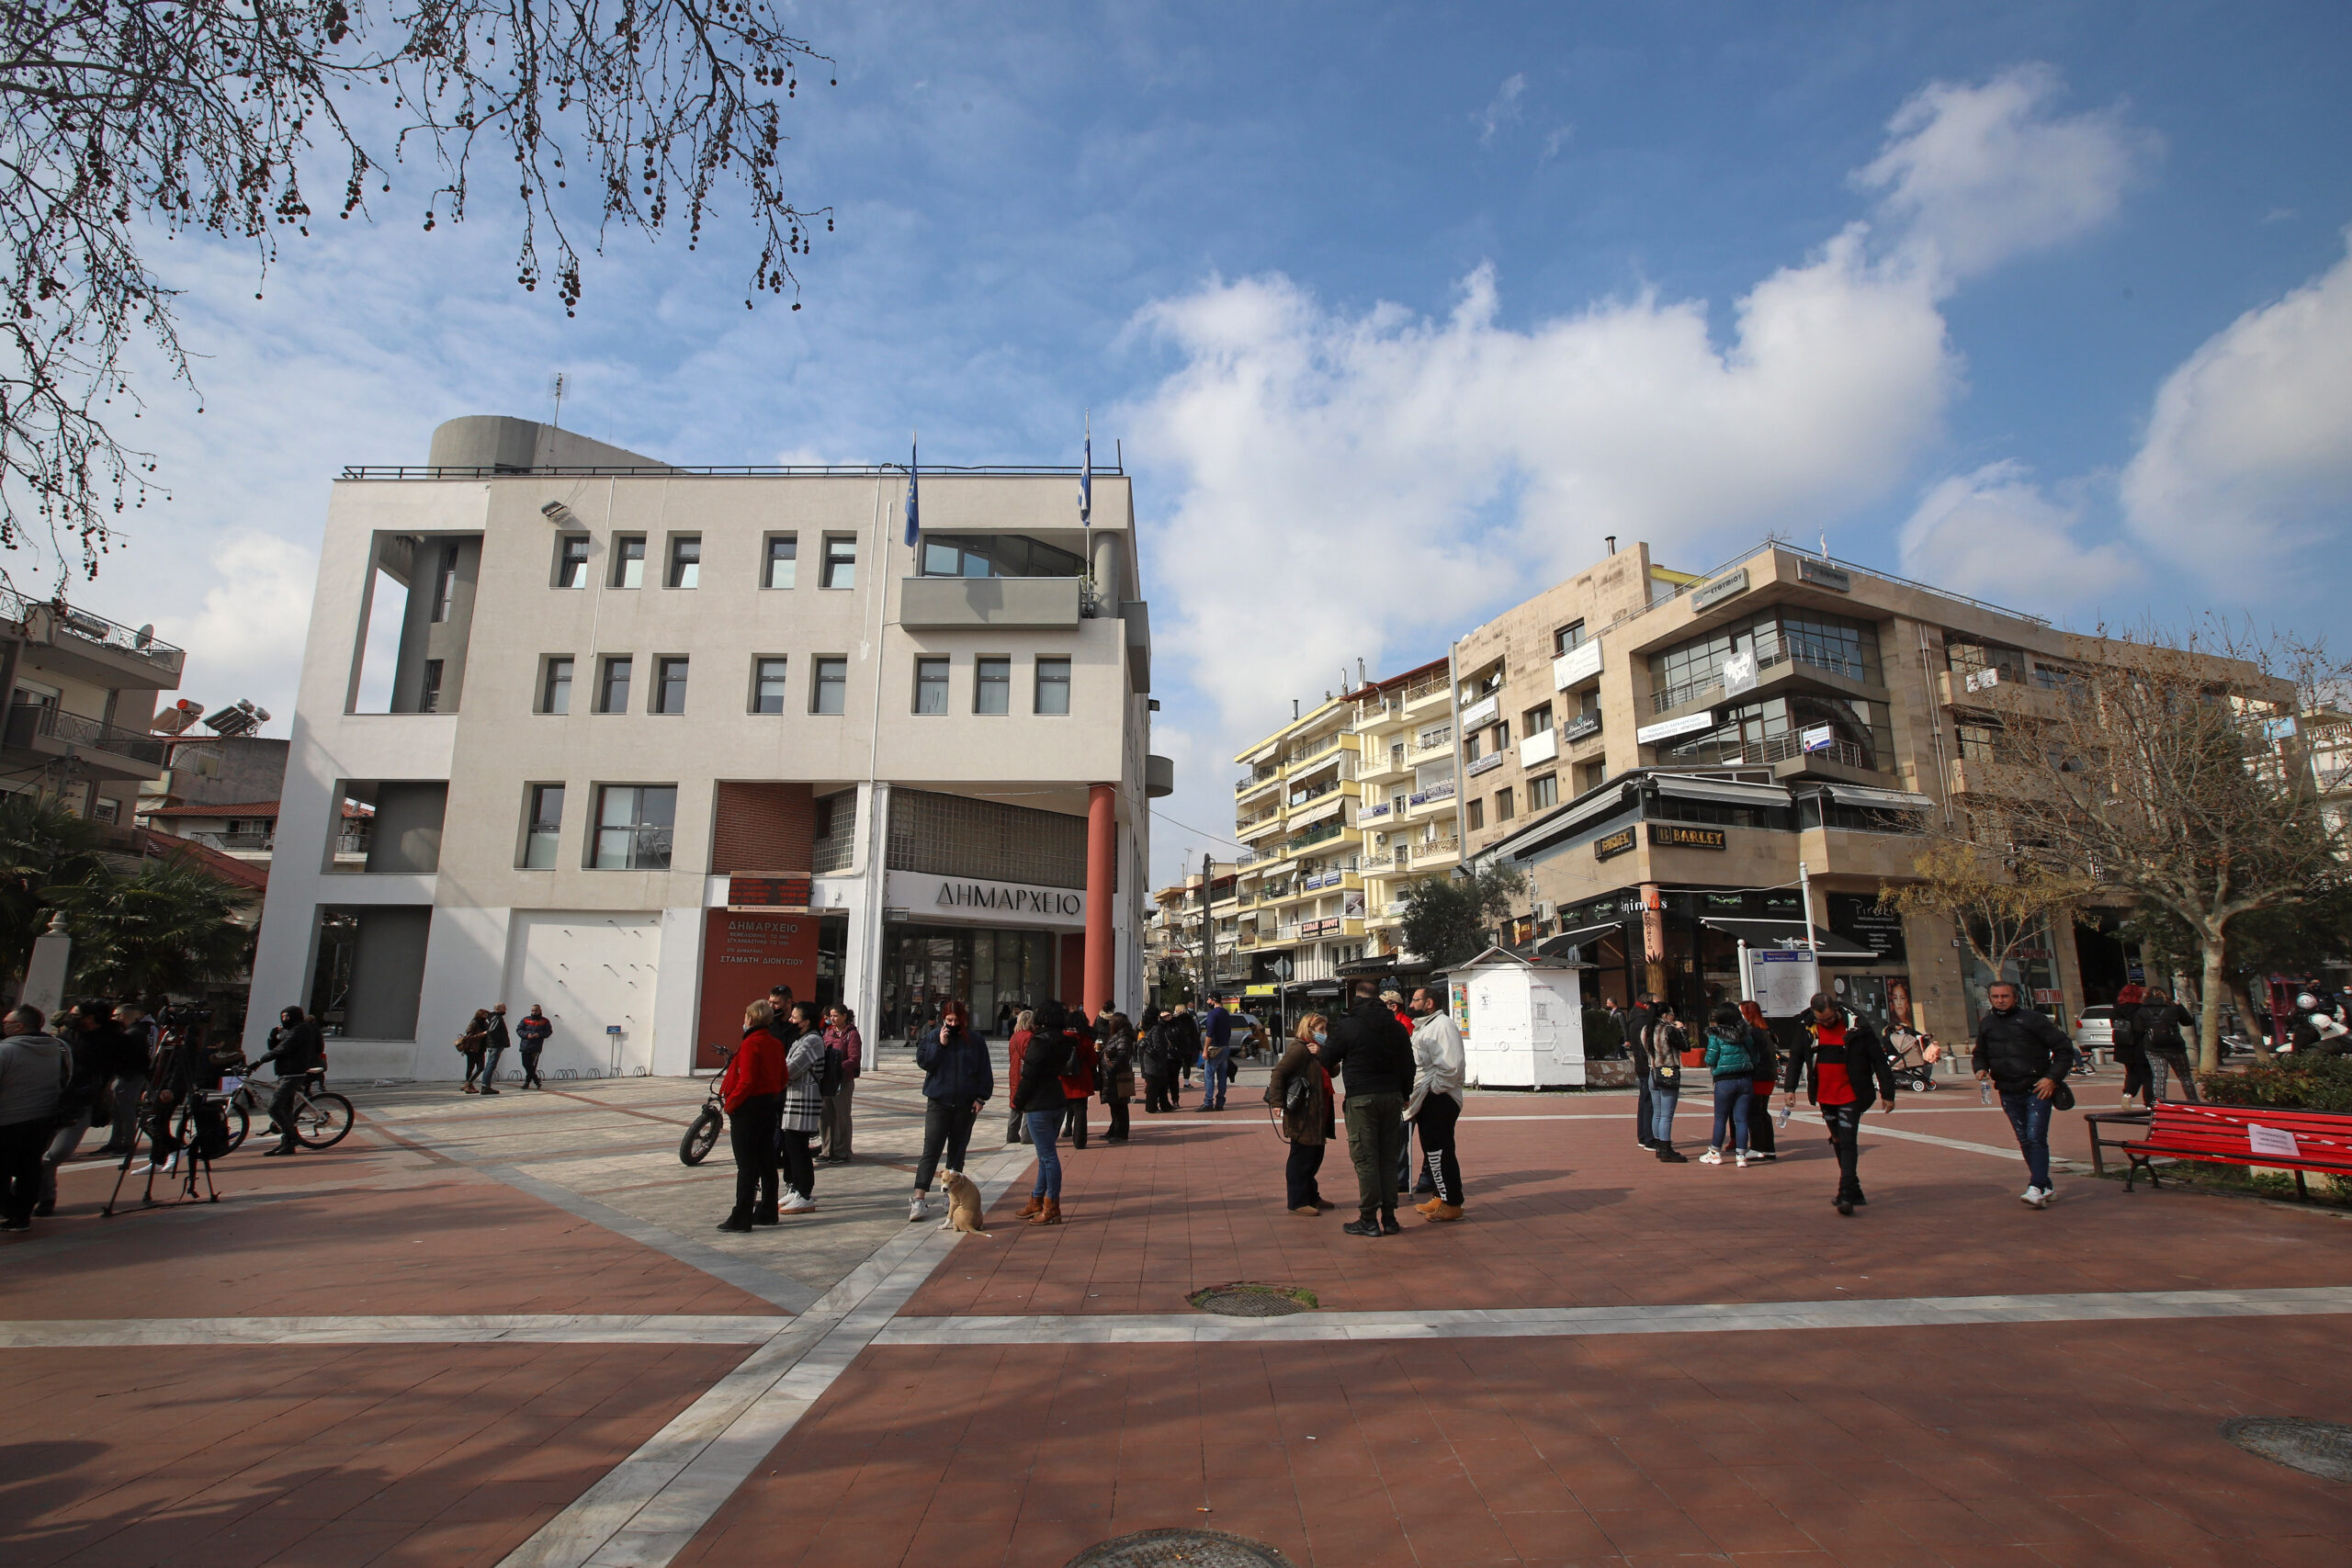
(1727, 1057)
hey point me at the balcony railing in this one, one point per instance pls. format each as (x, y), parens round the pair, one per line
(1435, 792)
(28, 719)
(1676, 696)
(248, 842)
(92, 627)
(1314, 836)
(1427, 688)
(1781, 748)
(1312, 750)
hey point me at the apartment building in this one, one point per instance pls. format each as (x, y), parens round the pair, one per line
(635, 741)
(1407, 783)
(81, 692)
(1660, 752)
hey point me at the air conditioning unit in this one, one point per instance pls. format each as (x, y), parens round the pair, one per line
(1544, 912)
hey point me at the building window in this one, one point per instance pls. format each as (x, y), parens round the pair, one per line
(1502, 736)
(429, 699)
(992, 685)
(931, 686)
(995, 555)
(544, 822)
(783, 569)
(1053, 685)
(628, 560)
(767, 685)
(1536, 720)
(1477, 814)
(669, 685)
(445, 586)
(830, 688)
(1567, 638)
(1543, 791)
(1502, 806)
(107, 810)
(1470, 747)
(613, 695)
(686, 560)
(841, 562)
(633, 826)
(555, 686)
(572, 561)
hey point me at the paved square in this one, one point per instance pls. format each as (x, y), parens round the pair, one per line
(505, 1331)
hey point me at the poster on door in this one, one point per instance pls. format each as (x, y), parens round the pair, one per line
(742, 955)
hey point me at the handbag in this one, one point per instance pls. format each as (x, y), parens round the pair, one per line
(2063, 1098)
(1667, 1077)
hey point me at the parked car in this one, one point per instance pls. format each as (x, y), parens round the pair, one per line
(2094, 1030)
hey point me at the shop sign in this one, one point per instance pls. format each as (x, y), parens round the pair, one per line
(987, 903)
(768, 892)
(1611, 844)
(1584, 724)
(1581, 662)
(742, 955)
(1821, 574)
(1491, 760)
(1858, 917)
(1739, 672)
(1483, 711)
(1689, 723)
(1674, 835)
(1726, 587)
(1328, 926)
(1819, 737)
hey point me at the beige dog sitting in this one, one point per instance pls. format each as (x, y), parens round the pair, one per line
(963, 1203)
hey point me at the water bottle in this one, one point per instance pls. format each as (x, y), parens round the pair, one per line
(1782, 1120)
(1984, 1093)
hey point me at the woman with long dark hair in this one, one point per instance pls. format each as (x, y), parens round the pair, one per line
(1037, 1096)
(1766, 1049)
(1116, 1072)
(804, 1105)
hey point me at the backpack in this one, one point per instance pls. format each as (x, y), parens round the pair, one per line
(2154, 1029)
(209, 1125)
(831, 1069)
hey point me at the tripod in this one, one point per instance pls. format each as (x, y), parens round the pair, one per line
(177, 1133)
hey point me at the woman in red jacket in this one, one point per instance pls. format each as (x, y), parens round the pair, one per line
(1078, 1082)
(752, 1090)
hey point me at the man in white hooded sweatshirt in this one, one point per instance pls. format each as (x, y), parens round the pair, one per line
(1436, 1103)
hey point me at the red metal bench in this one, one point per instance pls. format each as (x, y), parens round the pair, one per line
(2258, 1135)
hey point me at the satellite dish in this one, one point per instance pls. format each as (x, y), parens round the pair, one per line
(146, 635)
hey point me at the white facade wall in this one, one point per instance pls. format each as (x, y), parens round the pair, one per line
(491, 917)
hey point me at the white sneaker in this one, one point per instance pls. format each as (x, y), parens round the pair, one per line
(918, 1210)
(1711, 1157)
(2033, 1197)
(794, 1203)
(1740, 1160)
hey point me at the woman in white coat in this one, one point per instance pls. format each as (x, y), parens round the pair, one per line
(1436, 1103)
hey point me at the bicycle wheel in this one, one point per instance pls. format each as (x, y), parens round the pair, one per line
(320, 1119)
(701, 1138)
(239, 1123)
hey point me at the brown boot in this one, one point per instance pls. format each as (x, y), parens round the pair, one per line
(1036, 1205)
(1444, 1210)
(1430, 1207)
(1051, 1214)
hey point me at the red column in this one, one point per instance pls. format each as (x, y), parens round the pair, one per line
(1101, 867)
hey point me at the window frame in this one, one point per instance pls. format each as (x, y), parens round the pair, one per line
(533, 794)
(1568, 638)
(1540, 784)
(604, 663)
(827, 561)
(982, 681)
(770, 560)
(428, 695)
(656, 698)
(623, 560)
(636, 825)
(544, 703)
(673, 566)
(564, 543)
(1506, 804)
(1536, 720)
(1476, 814)
(933, 669)
(818, 664)
(1039, 682)
(783, 662)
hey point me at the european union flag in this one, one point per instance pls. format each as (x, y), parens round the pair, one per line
(1086, 478)
(914, 480)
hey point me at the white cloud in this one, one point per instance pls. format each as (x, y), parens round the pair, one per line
(1560, 136)
(1993, 533)
(1502, 110)
(1383, 466)
(2249, 446)
(1973, 175)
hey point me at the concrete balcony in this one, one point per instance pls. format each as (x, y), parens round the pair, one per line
(966, 603)
(1428, 698)
(89, 647)
(39, 734)
(2007, 693)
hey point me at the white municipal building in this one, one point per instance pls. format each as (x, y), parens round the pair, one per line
(637, 741)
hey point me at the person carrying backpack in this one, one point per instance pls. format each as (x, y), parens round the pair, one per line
(1731, 1060)
(2158, 1026)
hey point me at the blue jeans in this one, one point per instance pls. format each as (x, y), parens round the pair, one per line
(1662, 1114)
(1732, 1098)
(490, 1064)
(1216, 1073)
(2028, 1116)
(1045, 1126)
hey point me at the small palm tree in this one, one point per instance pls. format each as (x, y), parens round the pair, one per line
(43, 846)
(169, 928)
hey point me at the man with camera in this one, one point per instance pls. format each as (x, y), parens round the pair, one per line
(297, 1049)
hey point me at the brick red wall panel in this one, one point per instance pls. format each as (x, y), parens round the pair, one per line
(763, 827)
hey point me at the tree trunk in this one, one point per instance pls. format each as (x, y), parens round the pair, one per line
(2211, 992)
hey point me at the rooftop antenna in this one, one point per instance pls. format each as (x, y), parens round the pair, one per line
(556, 386)
(1362, 679)
(1612, 543)
(1293, 710)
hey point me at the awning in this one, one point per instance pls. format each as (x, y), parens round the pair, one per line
(1784, 934)
(1729, 790)
(1883, 799)
(1557, 946)
(1307, 815)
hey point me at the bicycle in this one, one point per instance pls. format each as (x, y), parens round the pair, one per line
(322, 1117)
(702, 1136)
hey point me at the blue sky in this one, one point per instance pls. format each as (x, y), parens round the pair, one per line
(1397, 311)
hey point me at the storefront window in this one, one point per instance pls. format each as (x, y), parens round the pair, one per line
(2034, 966)
(925, 967)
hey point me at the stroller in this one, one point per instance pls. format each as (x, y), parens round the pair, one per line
(1914, 1058)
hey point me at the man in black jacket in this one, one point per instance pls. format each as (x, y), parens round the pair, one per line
(1843, 1064)
(300, 1049)
(2024, 1056)
(1636, 1021)
(1373, 1057)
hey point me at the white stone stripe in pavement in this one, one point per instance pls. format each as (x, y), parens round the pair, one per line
(530, 1328)
(644, 1512)
(1550, 1323)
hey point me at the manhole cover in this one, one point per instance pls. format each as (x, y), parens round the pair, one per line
(1247, 1299)
(1193, 1549)
(2316, 1448)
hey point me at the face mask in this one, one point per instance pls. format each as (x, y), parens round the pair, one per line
(1321, 1038)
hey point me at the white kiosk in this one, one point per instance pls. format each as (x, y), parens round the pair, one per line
(1521, 1020)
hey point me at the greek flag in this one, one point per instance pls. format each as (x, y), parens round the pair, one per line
(914, 478)
(1086, 478)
